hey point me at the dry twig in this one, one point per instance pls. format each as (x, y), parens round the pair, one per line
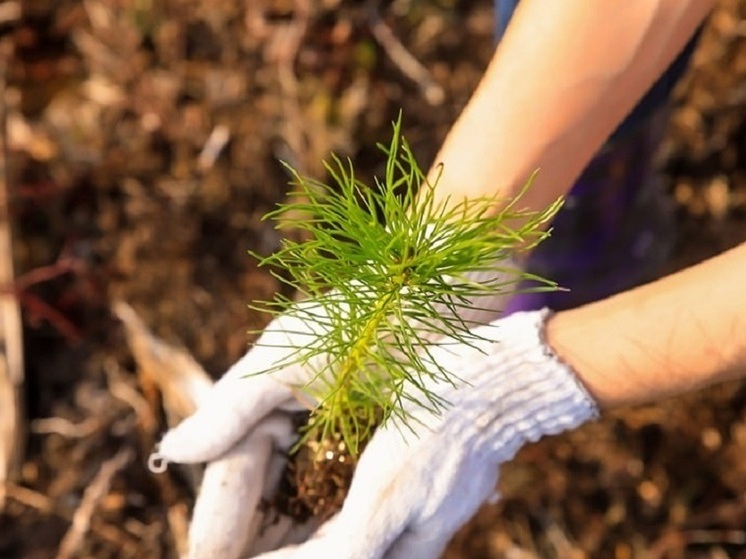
(173, 371)
(123, 537)
(403, 59)
(10, 12)
(11, 346)
(93, 495)
(283, 51)
(183, 384)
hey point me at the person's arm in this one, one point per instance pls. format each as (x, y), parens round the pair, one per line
(680, 333)
(562, 78)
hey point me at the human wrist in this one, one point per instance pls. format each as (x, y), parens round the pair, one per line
(563, 333)
(642, 345)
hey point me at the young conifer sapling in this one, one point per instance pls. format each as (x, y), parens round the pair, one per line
(387, 267)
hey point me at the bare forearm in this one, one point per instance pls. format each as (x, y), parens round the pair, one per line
(564, 76)
(680, 333)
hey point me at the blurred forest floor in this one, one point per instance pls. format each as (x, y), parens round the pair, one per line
(142, 146)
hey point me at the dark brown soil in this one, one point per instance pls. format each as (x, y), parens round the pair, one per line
(317, 479)
(144, 145)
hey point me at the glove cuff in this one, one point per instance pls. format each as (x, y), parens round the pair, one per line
(565, 394)
(519, 389)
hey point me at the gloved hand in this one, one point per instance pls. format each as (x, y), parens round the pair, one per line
(243, 430)
(414, 486)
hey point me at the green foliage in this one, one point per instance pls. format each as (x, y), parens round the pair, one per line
(386, 270)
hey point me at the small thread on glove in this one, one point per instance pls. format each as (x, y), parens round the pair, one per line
(157, 463)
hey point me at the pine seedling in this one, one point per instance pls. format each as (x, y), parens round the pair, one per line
(386, 269)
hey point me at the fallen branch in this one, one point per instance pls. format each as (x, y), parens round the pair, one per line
(96, 491)
(174, 374)
(10, 12)
(11, 345)
(123, 537)
(283, 51)
(173, 371)
(405, 60)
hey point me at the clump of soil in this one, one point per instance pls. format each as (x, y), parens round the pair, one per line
(316, 480)
(318, 474)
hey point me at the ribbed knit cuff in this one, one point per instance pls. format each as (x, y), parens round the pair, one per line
(519, 390)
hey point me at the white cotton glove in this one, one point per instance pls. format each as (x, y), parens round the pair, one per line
(242, 430)
(415, 485)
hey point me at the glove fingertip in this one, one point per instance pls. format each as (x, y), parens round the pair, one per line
(189, 443)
